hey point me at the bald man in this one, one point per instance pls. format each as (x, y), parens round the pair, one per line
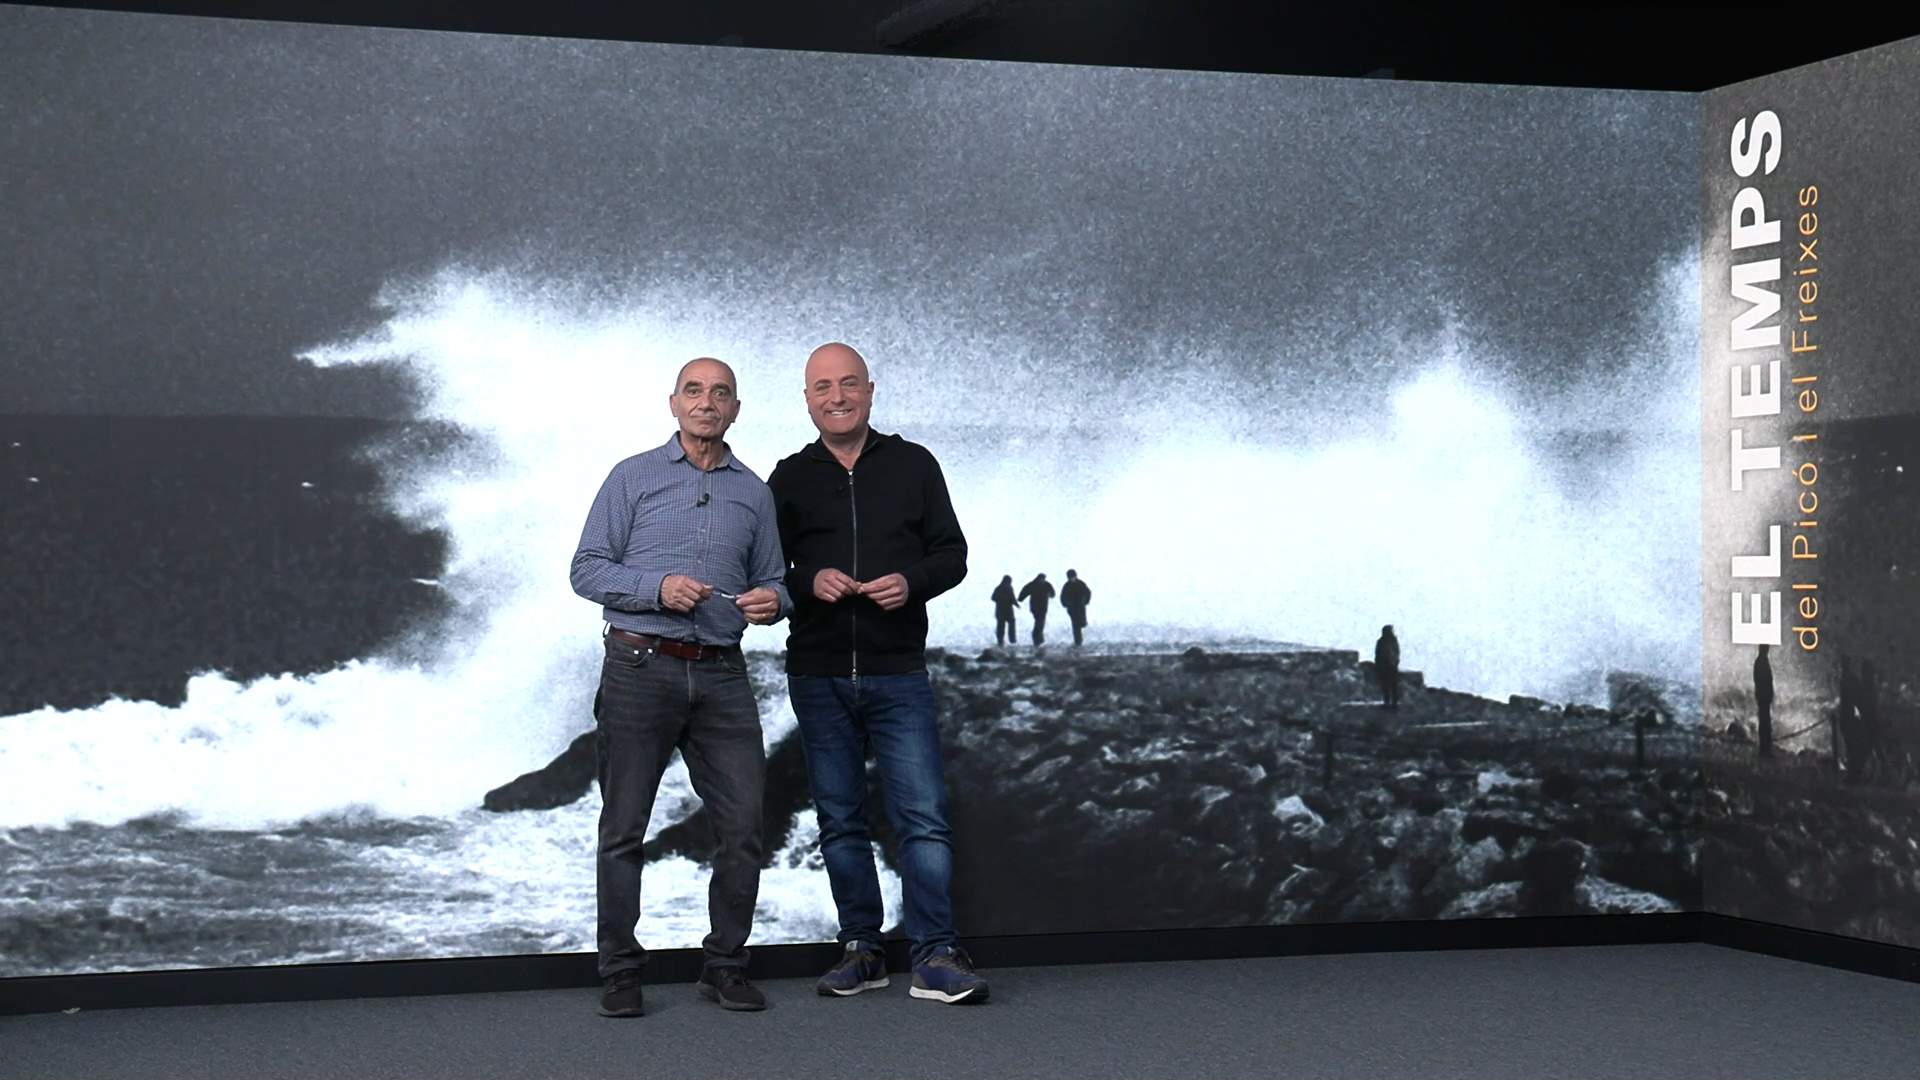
(870, 537)
(682, 550)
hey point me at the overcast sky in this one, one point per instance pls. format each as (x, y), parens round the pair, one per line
(190, 202)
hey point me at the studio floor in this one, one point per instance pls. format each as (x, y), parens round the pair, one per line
(1695, 1011)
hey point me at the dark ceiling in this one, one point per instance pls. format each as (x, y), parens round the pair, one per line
(1655, 48)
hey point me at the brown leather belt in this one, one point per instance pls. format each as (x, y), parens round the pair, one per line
(683, 650)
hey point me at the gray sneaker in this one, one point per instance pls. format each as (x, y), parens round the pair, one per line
(861, 967)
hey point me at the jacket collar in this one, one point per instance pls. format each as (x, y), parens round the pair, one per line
(817, 449)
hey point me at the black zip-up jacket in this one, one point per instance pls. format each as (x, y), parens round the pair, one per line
(889, 515)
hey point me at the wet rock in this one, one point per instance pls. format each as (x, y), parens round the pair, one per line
(1494, 901)
(1234, 875)
(1141, 792)
(1560, 785)
(1506, 826)
(1663, 864)
(1111, 826)
(1472, 867)
(1598, 896)
(1380, 896)
(1681, 781)
(1306, 883)
(1815, 885)
(1295, 816)
(1419, 791)
(1499, 780)
(1285, 913)
(1551, 870)
(1320, 802)
(1423, 847)
(560, 782)
(1048, 770)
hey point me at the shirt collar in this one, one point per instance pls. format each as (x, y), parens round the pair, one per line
(676, 452)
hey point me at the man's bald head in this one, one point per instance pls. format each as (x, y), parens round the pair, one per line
(839, 390)
(839, 360)
(725, 373)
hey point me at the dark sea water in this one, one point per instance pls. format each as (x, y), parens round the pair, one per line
(160, 893)
(138, 550)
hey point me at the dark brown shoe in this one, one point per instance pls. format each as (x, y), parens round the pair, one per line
(621, 995)
(729, 987)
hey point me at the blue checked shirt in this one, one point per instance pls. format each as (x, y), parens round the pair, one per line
(659, 514)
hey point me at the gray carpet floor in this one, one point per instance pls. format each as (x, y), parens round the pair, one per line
(1694, 1011)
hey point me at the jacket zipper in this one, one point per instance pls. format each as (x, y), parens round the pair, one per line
(853, 507)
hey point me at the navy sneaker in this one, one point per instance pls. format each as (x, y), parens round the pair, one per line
(861, 967)
(948, 976)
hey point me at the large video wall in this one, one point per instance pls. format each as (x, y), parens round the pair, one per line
(1811, 489)
(321, 339)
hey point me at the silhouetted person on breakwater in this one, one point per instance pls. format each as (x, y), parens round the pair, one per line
(1869, 706)
(1763, 698)
(1386, 667)
(1004, 631)
(1074, 596)
(1846, 729)
(1041, 591)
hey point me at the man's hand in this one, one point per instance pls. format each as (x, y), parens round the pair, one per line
(678, 592)
(760, 606)
(833, 586)
(889, 592)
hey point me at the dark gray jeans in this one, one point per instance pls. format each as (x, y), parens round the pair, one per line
(651, 704)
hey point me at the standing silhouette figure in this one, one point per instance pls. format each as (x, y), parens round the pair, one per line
(1075, 596)
(1004, 631)
(1872, 745)
(1041, 592)
(1386, 667)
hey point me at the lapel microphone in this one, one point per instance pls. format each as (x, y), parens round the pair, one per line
(705, 498)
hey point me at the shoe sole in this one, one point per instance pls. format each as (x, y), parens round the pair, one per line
(874, 984)
(966, 997)
(621, 1014)
(713, 995)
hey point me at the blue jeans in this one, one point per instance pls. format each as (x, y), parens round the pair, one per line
(894, 715)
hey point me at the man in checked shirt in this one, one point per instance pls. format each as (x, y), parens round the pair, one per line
(682, 550)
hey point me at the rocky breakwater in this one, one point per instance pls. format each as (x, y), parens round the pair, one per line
(1111, 792)
(1792, 843)
(1151, 790)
